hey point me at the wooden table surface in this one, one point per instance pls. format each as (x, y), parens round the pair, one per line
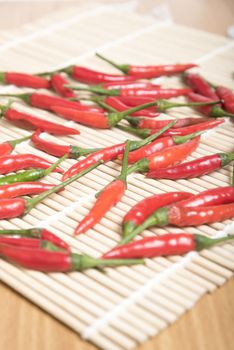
(209, 325)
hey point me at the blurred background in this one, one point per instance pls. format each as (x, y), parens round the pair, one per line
(216, 16)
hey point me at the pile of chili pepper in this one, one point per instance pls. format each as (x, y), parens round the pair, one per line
(166, 144)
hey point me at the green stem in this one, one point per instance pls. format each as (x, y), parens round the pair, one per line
(226, 158)
(24, 97)
(122, 67)
(143, 133)
(123, 174)
(82, 262)
(218, 112)
(53, 166)
(76, 152)
(95, 90)
(32, 232)
(163, 105)
(182, 139)
(203, 242)
(34, 201)
(13, 143)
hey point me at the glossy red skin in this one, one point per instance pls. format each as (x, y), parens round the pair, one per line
(23, 188)
(195, 168)
(182, 216)
(172, 155)
(20, 242)
(56, 150)
(189, 129)
(57, 82)
(92, 119)
(89, 76)
(44, 101)
(38, 123)
(159, 70)
(108, 197)
(51, 237)
(155, 93)
(37, 259)
(200, 85)
(129, 85)
(10, 163)
(145, 123)
(11, 208)
(215, 196)
(5, 148)
(227, 97)
(133, 101)
(120, 106)
(149, 149)
(139, 212)
(106, 154)
(193, 97)
(149, 247)
(27, 80)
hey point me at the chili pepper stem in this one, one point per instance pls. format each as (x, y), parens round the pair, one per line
(13, 143)
(218, 112)
(203, 242)
(30, 203)
(122, 67)
(124, 170)
(81, 262)
(35, 232)
(25, 97)
(226, 158)
(163, 105)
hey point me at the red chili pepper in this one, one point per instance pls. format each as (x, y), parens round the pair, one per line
(25, 80)
(108, 153)
(195, 168)
(8, 146)
(38, 233)
(211, 111)
(150, 71)
(146, 123)
(21, 242)
(22, 119)
(156, 93)
(165, 157)
(10, 163)
(120, 106)
(133, 101)
(57, 82)
(156, 146)
(214, 196)
(57, 261)
(139, 212)
(58, 150)
(10, 208)
(167, 244)
(174, 132)
(130, 85)
(44, 101)
(23, 188)
(107, 198)
(227, 97)
(200, 85)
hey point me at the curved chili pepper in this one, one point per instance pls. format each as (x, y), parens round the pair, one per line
(24, 242)
(109, 153)
(156, 93)
(195, 168)
(107, 198)
(130, 85)
(211, 111)
(10, 163)
(10, 208)
(165, 157)
(133, 101)
(157, 145)
(184, 216)
(58, 150)
(174, 132)
(121, 107)
(57, 261)
(29, 175)
(146, 123)
(227, 97)
(23, 188)
(139, 212)
(25, 80)
(34, 122)
(39, 233)
(57, 82)
(8, 146)
(44, 101)
(199, 85)
(149, 71)
(167, 244)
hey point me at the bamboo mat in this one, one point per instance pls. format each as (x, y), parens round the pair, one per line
(120, 307)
